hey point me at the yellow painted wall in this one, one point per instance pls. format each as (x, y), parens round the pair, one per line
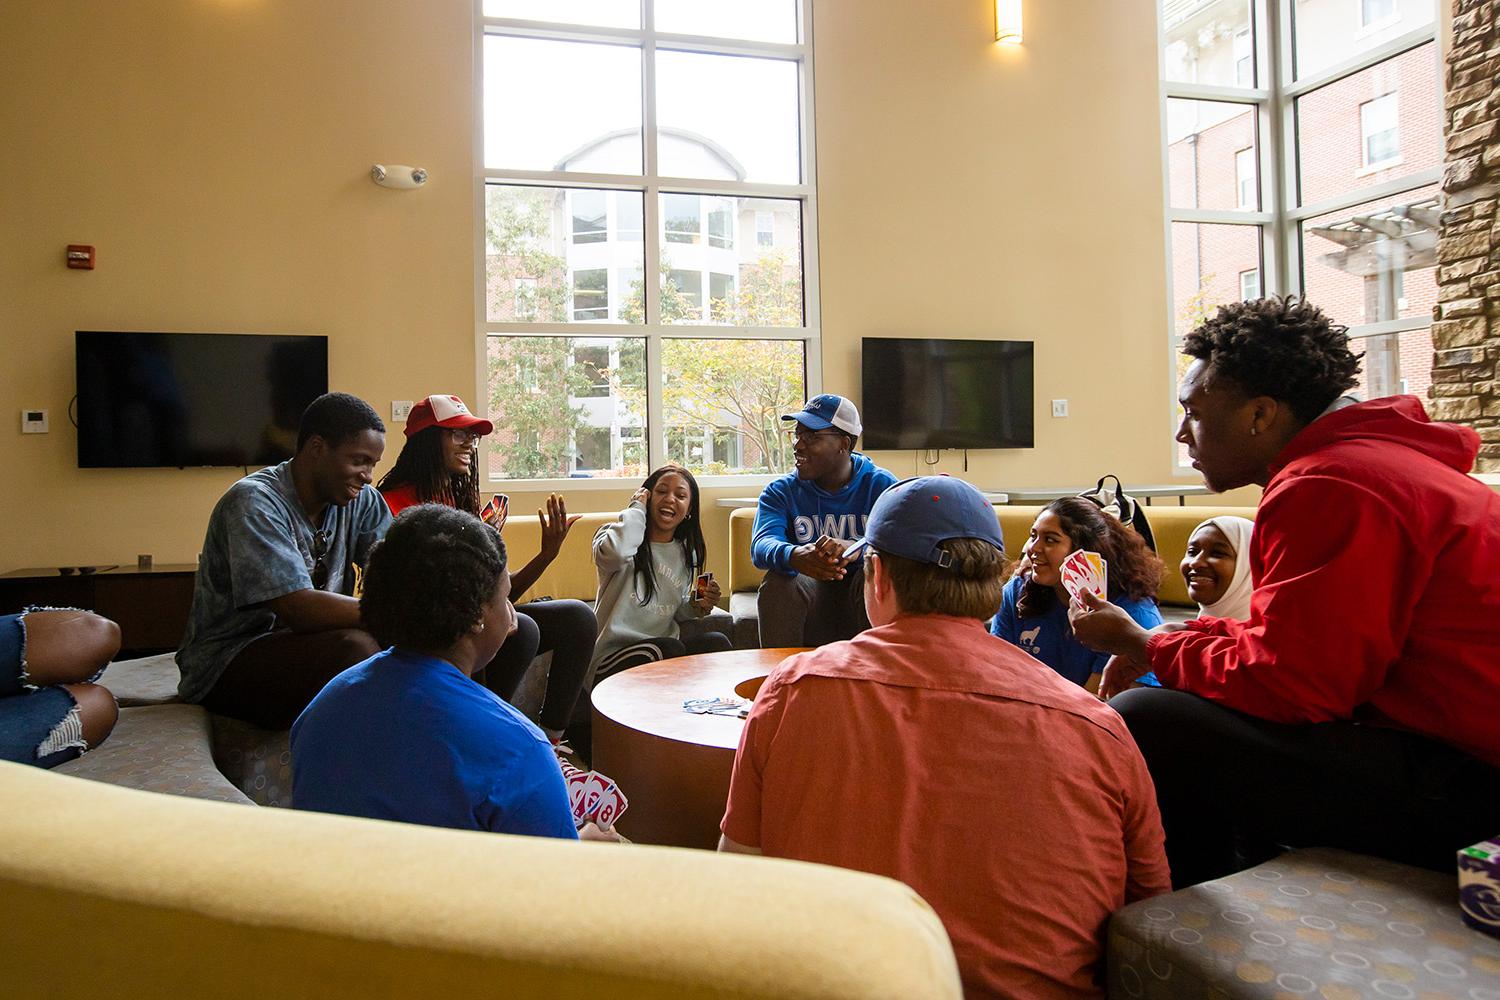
(216, 152)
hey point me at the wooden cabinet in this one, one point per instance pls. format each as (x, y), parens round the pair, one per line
(150, 606)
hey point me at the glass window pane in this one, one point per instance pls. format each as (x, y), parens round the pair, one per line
(757, 20)
(1392, 110)
(1210, 42)
(1394, 364)
(596, 13)
(1329, 33)
(1374, 262)
(533, 246)
(755, 283)
(1209, 263)
(723, 401)
(1206, 162)
(680, 217)
(566, 406)
(727, 117)
(682, 296)
(581, 108)
(589, 216)
(591, 294)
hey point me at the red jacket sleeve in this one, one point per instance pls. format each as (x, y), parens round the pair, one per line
(1338, 580)
(742, 813)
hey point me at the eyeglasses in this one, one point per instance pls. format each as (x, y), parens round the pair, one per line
(319, 553)
(799, 434)
(464, 438)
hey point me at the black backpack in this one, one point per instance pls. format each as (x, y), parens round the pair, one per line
(1122, 506)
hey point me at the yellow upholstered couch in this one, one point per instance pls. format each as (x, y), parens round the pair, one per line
(112, 892)
(1171, 525)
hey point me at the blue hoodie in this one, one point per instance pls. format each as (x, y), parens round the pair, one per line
(796, 511)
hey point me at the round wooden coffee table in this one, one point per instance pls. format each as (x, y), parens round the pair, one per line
(672, 765)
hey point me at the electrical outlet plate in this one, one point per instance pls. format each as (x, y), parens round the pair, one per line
(1059, 407)
(400, 410)
(33, 421)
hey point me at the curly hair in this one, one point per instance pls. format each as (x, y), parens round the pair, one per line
(428, 581)
(689, 534)
(1134, 571)
(421, 465)
(1282, 347)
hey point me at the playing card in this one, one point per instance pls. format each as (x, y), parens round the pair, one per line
(611, 805)
(496, 511)
(1085, 571)
(576, 780)
(596, 787)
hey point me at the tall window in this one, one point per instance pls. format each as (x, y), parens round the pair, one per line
(648, 172)
(1377, 127)
(1317, 175)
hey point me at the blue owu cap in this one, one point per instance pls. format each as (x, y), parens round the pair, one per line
(913, 517)
(828, 410)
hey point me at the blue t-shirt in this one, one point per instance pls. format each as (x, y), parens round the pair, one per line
(408, 737)
(795, 511)
(1049, 639)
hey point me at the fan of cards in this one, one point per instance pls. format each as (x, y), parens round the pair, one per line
(496, 511)
(1085, 571)
(594, 797)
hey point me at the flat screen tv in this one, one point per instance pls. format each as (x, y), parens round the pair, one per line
(172, 400)
(924, 394)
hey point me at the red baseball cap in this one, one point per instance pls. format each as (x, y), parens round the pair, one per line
(444, 411)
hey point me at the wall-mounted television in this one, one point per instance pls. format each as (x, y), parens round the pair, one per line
(173, 400)
(923, 394)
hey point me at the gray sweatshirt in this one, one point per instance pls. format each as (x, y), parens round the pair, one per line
(623, 619)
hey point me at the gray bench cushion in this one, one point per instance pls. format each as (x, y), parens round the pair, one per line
(158, 748)
(1317, 923)
(150, 680)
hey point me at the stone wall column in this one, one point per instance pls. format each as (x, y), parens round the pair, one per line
(1466, 322)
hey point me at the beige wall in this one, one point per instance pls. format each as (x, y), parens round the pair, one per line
(216, 152)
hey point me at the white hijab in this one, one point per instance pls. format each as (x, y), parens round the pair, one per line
(1236, 600)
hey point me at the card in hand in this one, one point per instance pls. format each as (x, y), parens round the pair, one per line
(1085, 571)
(496, 511)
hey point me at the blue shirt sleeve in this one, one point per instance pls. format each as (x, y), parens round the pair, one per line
(532, 802)
(265, 559)
(1147, 615)
(769, 546)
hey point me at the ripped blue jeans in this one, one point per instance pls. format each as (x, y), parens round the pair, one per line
(38, 725)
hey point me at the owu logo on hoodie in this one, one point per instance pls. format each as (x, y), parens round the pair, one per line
(848, 527)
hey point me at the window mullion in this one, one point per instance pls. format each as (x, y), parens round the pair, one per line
(1283, 270)
(656, 430)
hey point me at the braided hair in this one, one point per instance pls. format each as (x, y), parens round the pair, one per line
(421, 465)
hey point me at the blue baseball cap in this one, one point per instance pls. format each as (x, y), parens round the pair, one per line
(913, 517)
(828, 410)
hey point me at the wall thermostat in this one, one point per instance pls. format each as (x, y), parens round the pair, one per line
(33, 421)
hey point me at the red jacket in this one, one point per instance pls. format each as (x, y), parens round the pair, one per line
(1376, 564)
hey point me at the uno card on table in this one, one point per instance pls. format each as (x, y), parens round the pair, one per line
(1086, 571)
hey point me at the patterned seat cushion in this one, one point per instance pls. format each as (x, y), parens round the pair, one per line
(1314, 923)
(158, 748)
(150, 680)
(256, 761)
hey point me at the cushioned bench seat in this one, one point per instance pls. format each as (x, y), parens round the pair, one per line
(1316, 923)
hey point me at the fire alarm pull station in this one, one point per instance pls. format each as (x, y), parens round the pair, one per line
(80, 257)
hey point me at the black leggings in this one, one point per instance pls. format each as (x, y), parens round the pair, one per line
(1234, 789)
(565, 628)
(660, 648)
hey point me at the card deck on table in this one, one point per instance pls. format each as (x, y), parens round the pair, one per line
(1084, 570)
